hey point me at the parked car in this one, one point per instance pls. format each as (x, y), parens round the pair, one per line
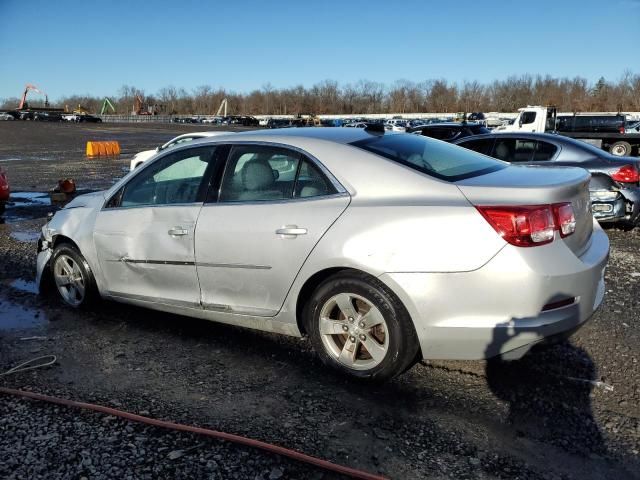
(141, 157)
(278, 123)
(355, 125)
(395, 125)
(88, 118)
(80, 118)
(6, 116)
(449, 131)
(5, 191)
(363, 240)
(614, 188)
(475, 116)
(46, 117)
(604, 131)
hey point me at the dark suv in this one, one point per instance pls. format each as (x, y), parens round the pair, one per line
(450, 131)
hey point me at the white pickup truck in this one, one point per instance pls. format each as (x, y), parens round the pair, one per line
(603, 131)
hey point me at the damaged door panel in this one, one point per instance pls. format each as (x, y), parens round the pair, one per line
(145, 233)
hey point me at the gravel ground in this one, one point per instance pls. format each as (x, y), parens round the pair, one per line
(536, 418)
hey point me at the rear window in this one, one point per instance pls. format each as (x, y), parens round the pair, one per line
(438, 159)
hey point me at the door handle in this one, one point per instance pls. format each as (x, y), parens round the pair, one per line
(292, 230)
(178, 231)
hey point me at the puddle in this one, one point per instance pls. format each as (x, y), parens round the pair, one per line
(26, 237)
(17, 317)
(24, 199)
(24, 286)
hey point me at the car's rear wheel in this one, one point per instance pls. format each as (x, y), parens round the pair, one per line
(359, 327)
(72, 277)
(620, 149)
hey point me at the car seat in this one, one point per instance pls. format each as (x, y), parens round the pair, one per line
(503, 151)
(258, 181)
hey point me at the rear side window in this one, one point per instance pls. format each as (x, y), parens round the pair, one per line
(259, 173)
(544, 151)
(311, 182)
(514, 150)
(265, 173)
(481, 146)
(440, 160)
(528, 117)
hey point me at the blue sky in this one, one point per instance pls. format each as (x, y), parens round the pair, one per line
(94, 47)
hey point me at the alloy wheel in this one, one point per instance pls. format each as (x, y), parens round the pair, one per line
(69, 280)
(354, 331)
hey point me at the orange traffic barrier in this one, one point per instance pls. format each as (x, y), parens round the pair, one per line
(102, 148)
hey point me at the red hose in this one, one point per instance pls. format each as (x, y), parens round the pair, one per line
(285, 452)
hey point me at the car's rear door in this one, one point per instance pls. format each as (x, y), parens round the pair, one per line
(144, 235)
(272, 207)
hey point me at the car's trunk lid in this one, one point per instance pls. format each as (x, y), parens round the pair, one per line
(519, 185)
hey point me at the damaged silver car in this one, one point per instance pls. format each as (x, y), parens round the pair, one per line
(383, 248)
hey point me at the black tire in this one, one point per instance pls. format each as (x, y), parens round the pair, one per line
(67, 254)
(402, 348)
(620, 149)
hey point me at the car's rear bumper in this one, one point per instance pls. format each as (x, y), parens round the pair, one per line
(507, 306)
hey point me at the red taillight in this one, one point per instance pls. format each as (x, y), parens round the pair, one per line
(621, 129)
(626, 174)
(531, 225)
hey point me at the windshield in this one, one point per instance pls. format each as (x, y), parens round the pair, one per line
(433, 157)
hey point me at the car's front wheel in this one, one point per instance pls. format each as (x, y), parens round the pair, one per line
(72, 276)
(359, 327)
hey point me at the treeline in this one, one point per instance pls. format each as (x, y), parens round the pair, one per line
(366, 97)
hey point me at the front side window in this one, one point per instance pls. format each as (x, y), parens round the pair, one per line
(527, 117)
(174, 179)
(441, 160)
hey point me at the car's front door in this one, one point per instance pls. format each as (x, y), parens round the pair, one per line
(144, 235)
(274, 204)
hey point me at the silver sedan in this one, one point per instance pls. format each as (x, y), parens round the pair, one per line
(383, 248)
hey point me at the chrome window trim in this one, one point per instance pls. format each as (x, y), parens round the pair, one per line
(151, 205)
(276, 201)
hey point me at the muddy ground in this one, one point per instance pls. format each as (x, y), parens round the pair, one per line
(569, 412)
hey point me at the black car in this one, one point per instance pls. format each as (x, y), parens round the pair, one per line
(615, 181)
(449, 132)
(47, 117)
(88, 118)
